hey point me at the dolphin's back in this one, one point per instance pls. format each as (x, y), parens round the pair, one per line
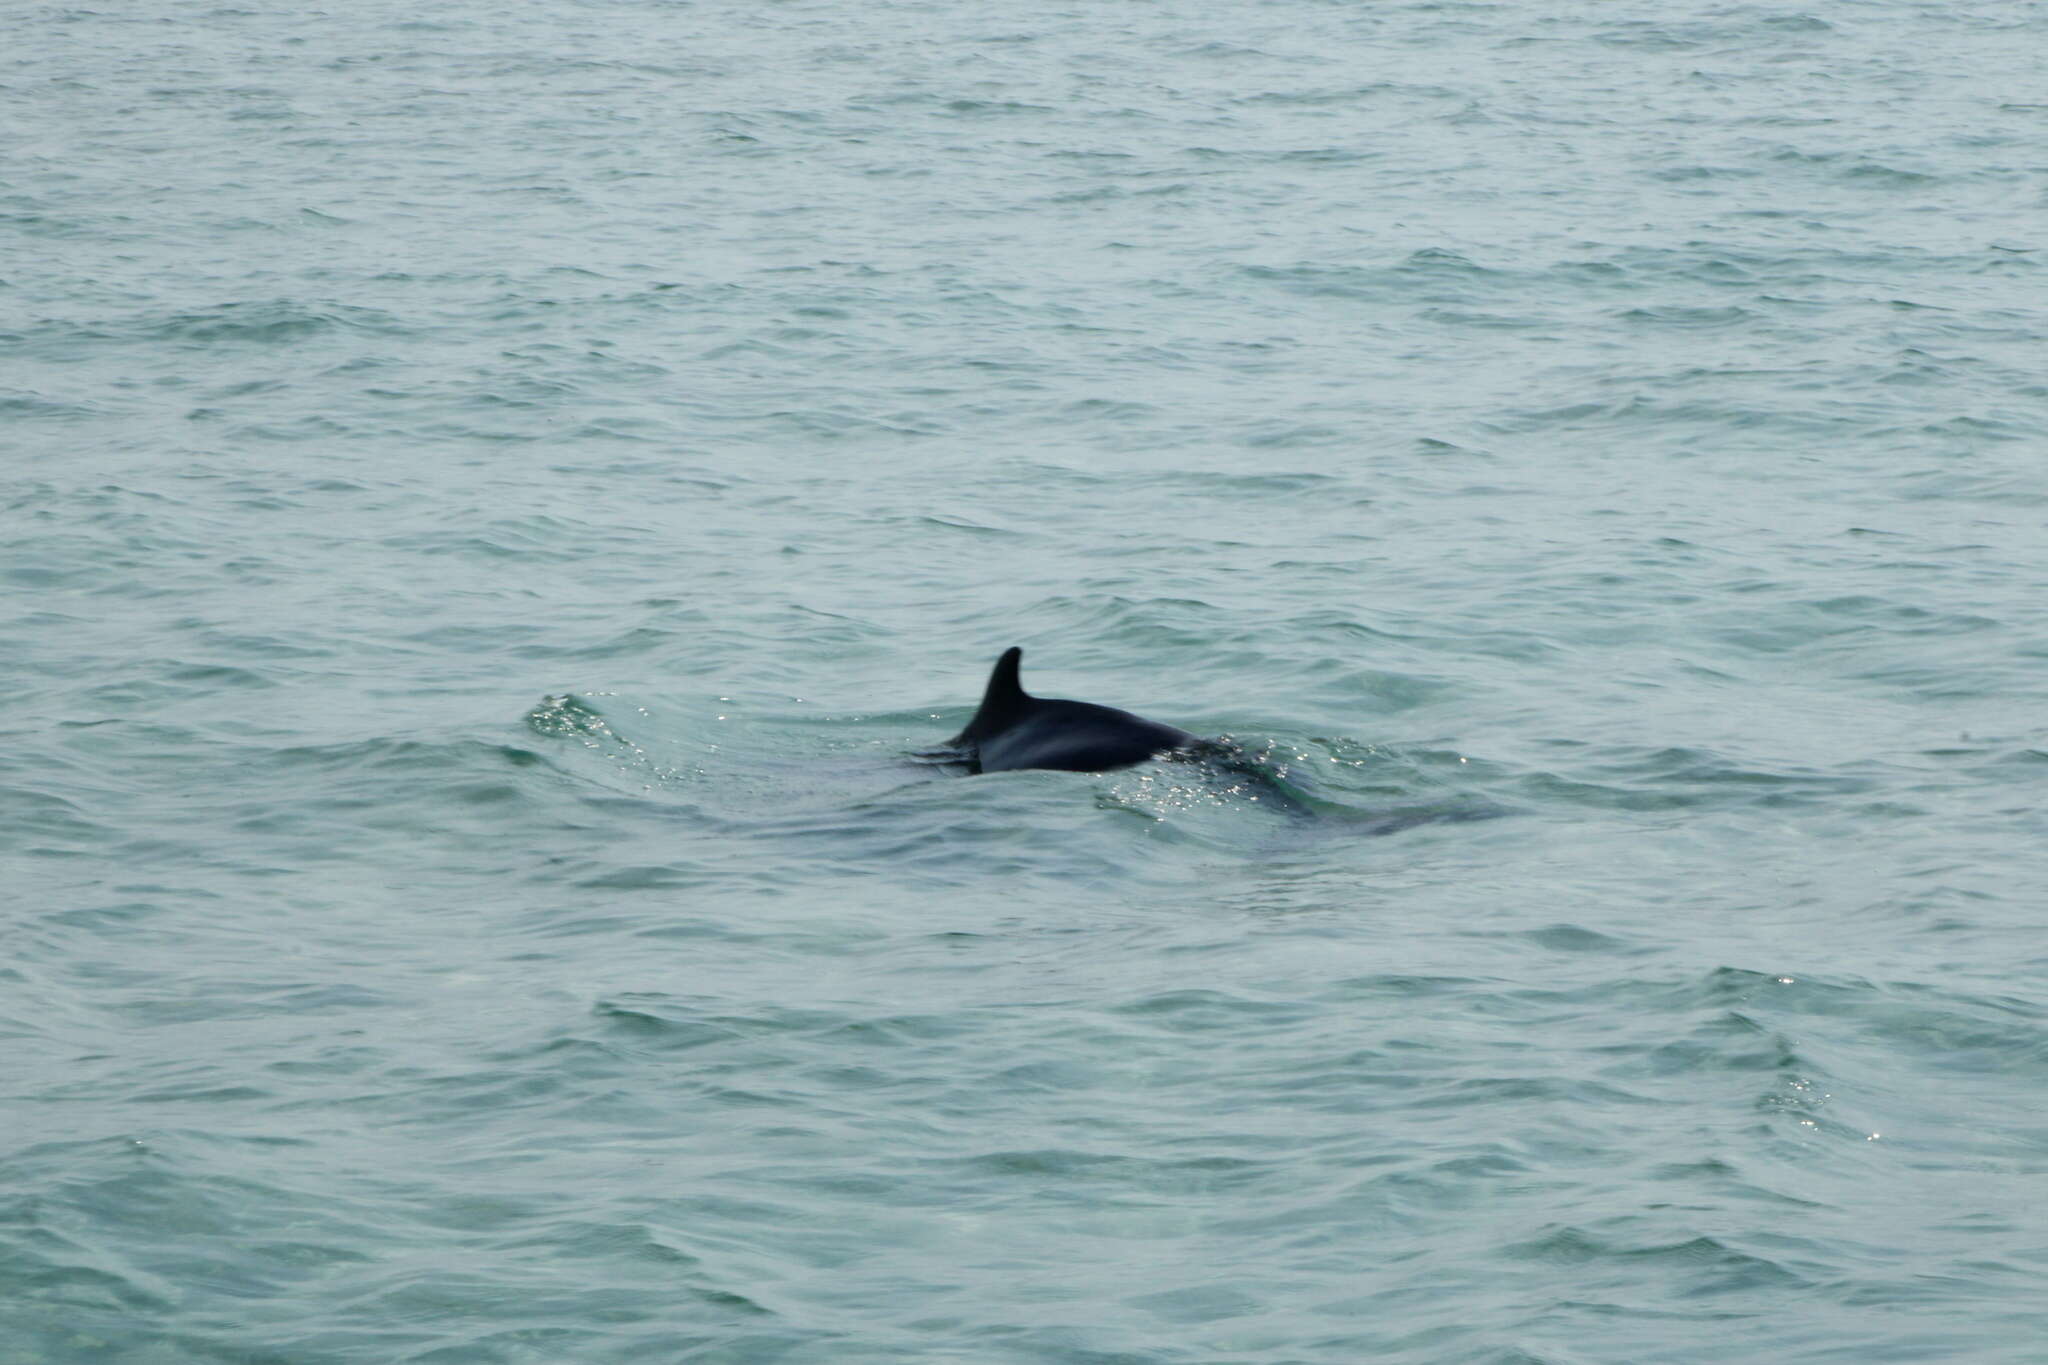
(1014, 729)
(1079, 737)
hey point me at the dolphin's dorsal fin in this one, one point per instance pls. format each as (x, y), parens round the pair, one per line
(1001, 703)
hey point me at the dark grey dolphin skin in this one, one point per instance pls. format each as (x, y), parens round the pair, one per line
(1014, 729)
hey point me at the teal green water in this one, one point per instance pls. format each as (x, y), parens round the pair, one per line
(492, 498)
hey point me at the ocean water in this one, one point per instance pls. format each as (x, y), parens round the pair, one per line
(492, 498)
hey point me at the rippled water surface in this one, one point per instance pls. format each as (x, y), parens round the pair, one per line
(493, 498)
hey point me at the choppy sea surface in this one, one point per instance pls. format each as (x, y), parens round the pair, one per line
(493, 496)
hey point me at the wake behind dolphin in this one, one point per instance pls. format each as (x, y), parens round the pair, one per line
(1014, 730)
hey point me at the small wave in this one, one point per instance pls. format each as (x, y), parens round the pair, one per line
(266, 323)
(1700, 1266)
(1678, 777)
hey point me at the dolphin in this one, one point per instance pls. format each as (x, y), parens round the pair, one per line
(1014, 729)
